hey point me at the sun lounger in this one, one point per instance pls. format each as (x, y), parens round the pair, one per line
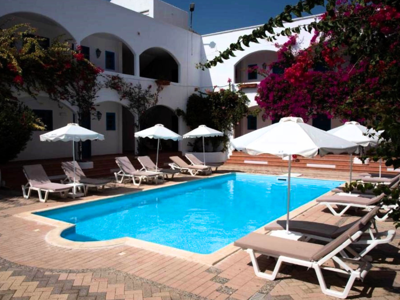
(326, 233)
(380, 180)
(311, 255)
(148, 165)
(80, 177)
(183, 167)
(354, 202)
(197, 162)
(128, 170)
(40, 182)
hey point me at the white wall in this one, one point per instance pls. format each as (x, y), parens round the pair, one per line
(112, 138)
(98, 41)
(170, 14)
(137, 31)
(220, 41)
(157, 9)
(255, 58)
(36, 149)
(139, 6)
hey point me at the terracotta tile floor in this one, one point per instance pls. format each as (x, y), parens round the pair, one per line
(30, 268)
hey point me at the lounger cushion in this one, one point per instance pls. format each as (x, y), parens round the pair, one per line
(275, 246)
(51, 186)
(68, 168)
(94, 181)
(381, 179)
(125, 164)
(36, 175)
(351, 199)
(312, 228)
(360, 225)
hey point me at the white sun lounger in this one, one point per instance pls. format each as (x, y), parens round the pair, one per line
(327, 233)
(127, 170)
(183, 167)
(148, 165)
(197, 162)
(311, 255)
(80, 177)
(40, 182)
(354, 202)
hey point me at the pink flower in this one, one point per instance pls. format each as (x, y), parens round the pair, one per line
(79, 56)
(18, 79)
(229, 80)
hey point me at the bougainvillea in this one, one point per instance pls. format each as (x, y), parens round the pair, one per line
(60, 72)
(350, 71)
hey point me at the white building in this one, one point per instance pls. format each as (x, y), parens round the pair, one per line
(141, 40)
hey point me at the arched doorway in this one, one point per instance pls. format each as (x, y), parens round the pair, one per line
(157, 63)
(109, 52)
(259, 59)
(158, 114)
(46, 28)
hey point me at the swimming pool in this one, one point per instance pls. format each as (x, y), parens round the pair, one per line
(201, 216)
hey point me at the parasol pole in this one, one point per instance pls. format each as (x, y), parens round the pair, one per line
(288, 193)
(204, 153)
(158, 146)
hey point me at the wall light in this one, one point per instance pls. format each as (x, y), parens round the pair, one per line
(98, 52)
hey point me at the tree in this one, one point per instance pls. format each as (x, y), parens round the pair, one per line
(216, 109)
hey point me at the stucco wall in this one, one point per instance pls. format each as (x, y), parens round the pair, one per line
(36, 149)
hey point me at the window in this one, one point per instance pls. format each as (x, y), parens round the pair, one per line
(321, 67)
(322, 122)
(86, 52)
(44, 42)
(251, 123)
(110, 60)
(252, 75)
(110, 121)
(46, 116)
(277, 70)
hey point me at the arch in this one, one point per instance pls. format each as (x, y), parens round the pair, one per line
(109, 52)
(258, 58)
(34, 18)
(159, 114)
(159, 63)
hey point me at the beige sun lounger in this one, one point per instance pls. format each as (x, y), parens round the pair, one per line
(128, 170)
(40, 182)
(311, 255)
(197, 162)
(326, 233)
(148, 165)
(183, 167)
(354, 202)
(381, 180)
(80, 177)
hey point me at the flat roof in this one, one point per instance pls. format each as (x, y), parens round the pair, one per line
(257, 26)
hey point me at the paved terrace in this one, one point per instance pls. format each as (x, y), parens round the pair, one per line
(32, 269)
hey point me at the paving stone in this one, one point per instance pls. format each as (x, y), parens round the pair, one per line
(214, 270)
(220, 280)
(226, 290)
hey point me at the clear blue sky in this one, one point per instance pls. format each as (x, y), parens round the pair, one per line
(218, 15)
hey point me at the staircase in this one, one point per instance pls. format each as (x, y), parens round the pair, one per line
(103, 166)
(329, 162)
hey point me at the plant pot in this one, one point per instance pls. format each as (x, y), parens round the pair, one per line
(85, 165)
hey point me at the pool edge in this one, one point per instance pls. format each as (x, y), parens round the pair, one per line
(53, 237)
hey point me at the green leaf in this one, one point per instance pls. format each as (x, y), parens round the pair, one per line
(269, 28)
(246, 41)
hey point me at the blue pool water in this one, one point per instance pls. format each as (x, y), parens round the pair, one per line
(200, 216)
